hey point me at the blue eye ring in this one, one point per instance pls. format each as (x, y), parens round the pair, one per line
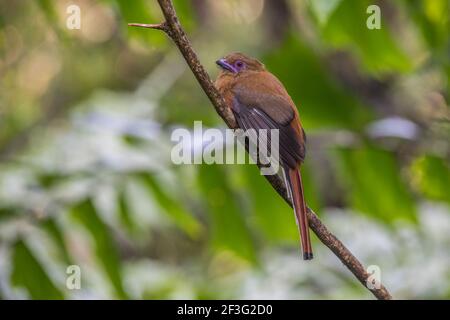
(239, 64)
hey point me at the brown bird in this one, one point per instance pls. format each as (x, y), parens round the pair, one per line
(259, 100)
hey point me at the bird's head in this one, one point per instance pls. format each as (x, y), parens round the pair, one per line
(237, 63)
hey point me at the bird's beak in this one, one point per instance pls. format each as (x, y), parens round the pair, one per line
(225, 65)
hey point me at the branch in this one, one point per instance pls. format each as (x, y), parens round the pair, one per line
(173, 29)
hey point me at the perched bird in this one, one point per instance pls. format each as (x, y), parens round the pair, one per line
(259, 100)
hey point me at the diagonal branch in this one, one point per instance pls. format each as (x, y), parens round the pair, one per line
(173, 29)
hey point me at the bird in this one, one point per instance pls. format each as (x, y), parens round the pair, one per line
(258, 100)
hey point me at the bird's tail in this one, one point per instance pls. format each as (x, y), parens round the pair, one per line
(295, 189)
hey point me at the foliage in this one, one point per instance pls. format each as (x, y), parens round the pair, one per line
(86, 177)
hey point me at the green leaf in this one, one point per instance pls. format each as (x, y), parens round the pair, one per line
(28, 273)
(48, 8)
(53, 230)
(171, 206)
(431, 175)
(132, 140)
(272, 215)
(8, 213)
(312, 197)
(125, 215)
(229, 230)
(319, 98)
(376, 49)
(48, 180)
(185, 14)
(105, 247)
(432, 18)
(372, 178)
(140, 11)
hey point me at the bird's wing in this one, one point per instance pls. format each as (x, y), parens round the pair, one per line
(263, 110)
(266, 98)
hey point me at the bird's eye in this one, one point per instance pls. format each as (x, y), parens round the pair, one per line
(239, 64)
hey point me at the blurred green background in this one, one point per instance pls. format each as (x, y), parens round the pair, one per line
(85, 172)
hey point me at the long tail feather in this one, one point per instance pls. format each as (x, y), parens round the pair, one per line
(295, 188)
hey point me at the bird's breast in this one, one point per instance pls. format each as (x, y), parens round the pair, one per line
(224, 85)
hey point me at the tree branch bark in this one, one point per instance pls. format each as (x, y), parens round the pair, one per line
(173, 29)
